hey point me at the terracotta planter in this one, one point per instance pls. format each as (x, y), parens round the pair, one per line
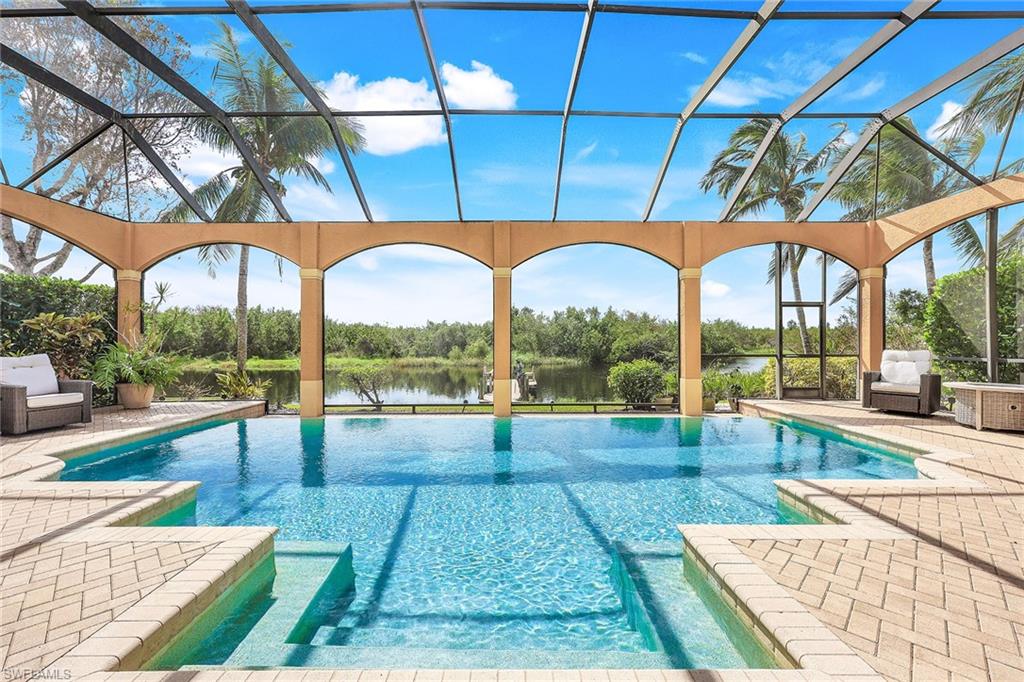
(135, 396)
(708, 404)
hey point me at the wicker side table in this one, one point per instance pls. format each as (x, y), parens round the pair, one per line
(989, 406)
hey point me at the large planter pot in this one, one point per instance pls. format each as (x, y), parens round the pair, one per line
(135, 396)
(708, 404)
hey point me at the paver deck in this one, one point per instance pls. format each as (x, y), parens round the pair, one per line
(944, 602)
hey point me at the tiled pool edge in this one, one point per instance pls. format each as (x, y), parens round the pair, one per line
(783, 625)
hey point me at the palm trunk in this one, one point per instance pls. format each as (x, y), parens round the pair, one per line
(929, 265)
(801, 319)
(242, 310)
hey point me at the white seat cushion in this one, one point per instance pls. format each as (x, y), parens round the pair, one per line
(54, 400)
(887, 387)
(905, 367)
(34, 372)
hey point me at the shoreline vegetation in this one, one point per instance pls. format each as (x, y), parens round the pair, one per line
(340, 363)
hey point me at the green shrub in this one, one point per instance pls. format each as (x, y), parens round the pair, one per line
(139, 364)
(954, 318)
(639, 381)
(70, 342)
(240, 385)
(840, 376)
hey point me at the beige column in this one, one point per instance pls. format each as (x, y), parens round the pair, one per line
(311, 343)
(872, 316)
(129, 304)
(502, 342)
(690, 393)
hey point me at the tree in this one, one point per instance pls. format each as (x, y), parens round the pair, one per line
(282, 146)
(786, 177)
(908, 176)
(639, 381)
(94, 177)
(993, 103)
(367, 381)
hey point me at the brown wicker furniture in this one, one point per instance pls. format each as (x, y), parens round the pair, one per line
(31, 396)
(989, 406)
(904, 384)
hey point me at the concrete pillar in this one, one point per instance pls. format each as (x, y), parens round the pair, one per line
(311, 343)
(872, 318)
(502, 341)
(690, 393)
(129, 305)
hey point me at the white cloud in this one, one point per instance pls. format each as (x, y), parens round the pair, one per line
(694, 57)
(709, 287)
(392, 134)
(323, 164)
(585, 152)
(864, 91)
(307, 201)
(366, 261)
(202, 163)
(479, 88)
(949, 110)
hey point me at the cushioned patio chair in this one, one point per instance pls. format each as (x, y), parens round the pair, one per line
(31, 396)
(904, 384)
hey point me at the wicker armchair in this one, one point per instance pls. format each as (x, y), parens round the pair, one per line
(31, 397)
(904, 384)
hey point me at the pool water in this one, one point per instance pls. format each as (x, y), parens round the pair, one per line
(487, 542)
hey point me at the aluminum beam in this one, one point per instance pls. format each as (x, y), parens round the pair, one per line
(732, 55)
(542, 6)
(979, 61)
(574, 80)
(140, 53)
(96, 132)
(30, 69)
(280, 55)
(948, 160)
(865, 51)
(1009, 130)
(441, 98)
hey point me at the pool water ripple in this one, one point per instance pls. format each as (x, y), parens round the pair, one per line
(486, 535)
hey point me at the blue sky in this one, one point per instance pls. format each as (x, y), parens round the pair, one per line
(522, 60)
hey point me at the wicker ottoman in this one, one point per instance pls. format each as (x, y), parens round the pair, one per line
(989, 406)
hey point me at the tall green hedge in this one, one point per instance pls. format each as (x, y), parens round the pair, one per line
(23, 297)
(954, 318)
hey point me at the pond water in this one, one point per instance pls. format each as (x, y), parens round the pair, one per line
(433, 385)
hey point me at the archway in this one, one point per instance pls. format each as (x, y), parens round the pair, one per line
(407, 327)
(199, 293)
(787, 332)
(579, 312)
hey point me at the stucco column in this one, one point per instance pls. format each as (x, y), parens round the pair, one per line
(689, 342)
(872, 318)
(129, 302)
(502, 341)
(311, 343)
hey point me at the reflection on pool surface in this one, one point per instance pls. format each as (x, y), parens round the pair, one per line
(483, 542)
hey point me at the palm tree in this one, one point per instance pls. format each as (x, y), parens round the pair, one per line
(908, 176)
(786, 176)
(994, 102)
(282, 146)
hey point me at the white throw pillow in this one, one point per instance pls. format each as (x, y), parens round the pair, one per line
(905, 366)
(34, 372)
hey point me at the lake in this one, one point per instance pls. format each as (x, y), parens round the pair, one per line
(434, 385)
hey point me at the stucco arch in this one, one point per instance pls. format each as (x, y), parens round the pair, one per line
(894, 234)
(845, 240)
(105, 238)
(384, 246)
(592, 242)
(662, 240)
(154, 242)
(338, 241)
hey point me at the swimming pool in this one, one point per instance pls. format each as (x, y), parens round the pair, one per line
(482, 542)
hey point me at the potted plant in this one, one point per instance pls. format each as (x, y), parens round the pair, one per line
(136, 370)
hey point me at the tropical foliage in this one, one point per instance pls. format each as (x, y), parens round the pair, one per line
(367, 381)
(139, 363)
(240, 385)
(638, 381)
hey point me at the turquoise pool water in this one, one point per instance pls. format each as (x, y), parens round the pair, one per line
(482, 542)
